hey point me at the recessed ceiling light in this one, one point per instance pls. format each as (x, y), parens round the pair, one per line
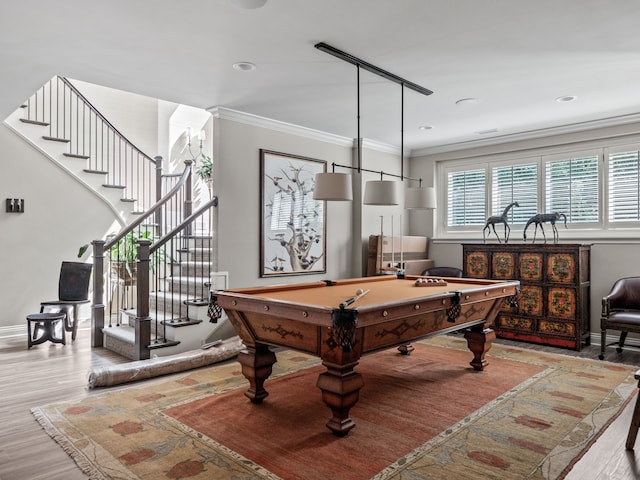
(485, 132)
(248, 4)
(566, 98)
(425, 127)
(467, 101)
(244, 66)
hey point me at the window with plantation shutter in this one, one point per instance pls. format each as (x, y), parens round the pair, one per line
(515, 183)
(571, 187)
(597, 187)
(466, 198)
(624, 187)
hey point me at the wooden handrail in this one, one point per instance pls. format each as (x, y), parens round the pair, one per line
(132, 226)
(103, 118)
(187, 221)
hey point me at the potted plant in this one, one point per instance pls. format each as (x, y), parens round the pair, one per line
(124, 255)
(204, 170)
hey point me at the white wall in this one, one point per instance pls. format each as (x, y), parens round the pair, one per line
(134, 116)
(59, 217)
(237, 184)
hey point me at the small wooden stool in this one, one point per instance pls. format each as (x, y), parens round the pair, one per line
(47, 323)
(635, 420)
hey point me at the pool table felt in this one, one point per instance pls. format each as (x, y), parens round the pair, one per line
(382, 290)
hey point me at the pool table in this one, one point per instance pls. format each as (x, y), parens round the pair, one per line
(341, 320)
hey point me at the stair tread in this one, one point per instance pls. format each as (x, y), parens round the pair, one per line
(87, 170)
(163, 344)
(181, 322)
(127, 334)
(76, 155)
(56, 139)
(34, 122)
(106, 185)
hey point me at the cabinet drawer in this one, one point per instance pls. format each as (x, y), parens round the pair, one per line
(503, 265)
(561, 302)
(561, 268)
(514, 322)
(476, 265)
(563, 329)
(531, 300)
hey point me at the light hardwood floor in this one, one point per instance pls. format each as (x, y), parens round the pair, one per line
(48, 373)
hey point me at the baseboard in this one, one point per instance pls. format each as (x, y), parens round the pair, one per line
(629, 342)
(13, 331)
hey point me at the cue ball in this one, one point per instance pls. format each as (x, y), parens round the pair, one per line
(359, 291)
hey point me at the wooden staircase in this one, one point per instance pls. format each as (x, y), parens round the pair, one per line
(176, 290)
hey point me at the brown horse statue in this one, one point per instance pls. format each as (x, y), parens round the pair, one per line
(492, 221)
(541, 218)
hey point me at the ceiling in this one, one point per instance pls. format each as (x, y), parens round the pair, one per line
(513, 57)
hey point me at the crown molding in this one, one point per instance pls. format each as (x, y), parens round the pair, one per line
(531, 134)
(224, 113)
(276, 125)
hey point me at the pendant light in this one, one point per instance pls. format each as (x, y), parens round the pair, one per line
(381, 192)
(333, 186)
(420, 198)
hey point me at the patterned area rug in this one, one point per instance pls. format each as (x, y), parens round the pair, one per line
(528, 415)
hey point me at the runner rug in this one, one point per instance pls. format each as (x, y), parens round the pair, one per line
(529, 414)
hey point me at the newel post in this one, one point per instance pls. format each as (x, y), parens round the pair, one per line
(97, 307)
(143, 320)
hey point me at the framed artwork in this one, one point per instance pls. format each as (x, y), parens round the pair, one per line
(292, 226)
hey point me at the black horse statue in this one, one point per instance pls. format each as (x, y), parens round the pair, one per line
(541, 218)
(491, 222)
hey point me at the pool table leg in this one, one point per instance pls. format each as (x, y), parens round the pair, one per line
(479, 341)
(340, 386)
(257, 362)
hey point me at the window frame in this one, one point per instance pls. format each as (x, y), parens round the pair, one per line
(614, 226)
(601, 229)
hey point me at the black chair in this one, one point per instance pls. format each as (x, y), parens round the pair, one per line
(73, 291)
(443, 272)
(620, 311)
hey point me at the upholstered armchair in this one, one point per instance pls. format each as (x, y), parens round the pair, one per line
(621, 311)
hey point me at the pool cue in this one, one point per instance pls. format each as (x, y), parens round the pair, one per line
(351, 300)
(401, 266)
(393, 246)
(381, 245)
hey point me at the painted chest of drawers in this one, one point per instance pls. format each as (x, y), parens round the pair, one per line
(553, 307)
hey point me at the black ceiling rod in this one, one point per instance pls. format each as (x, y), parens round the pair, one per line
(359, 142)
(371, 68)
(402, 131)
